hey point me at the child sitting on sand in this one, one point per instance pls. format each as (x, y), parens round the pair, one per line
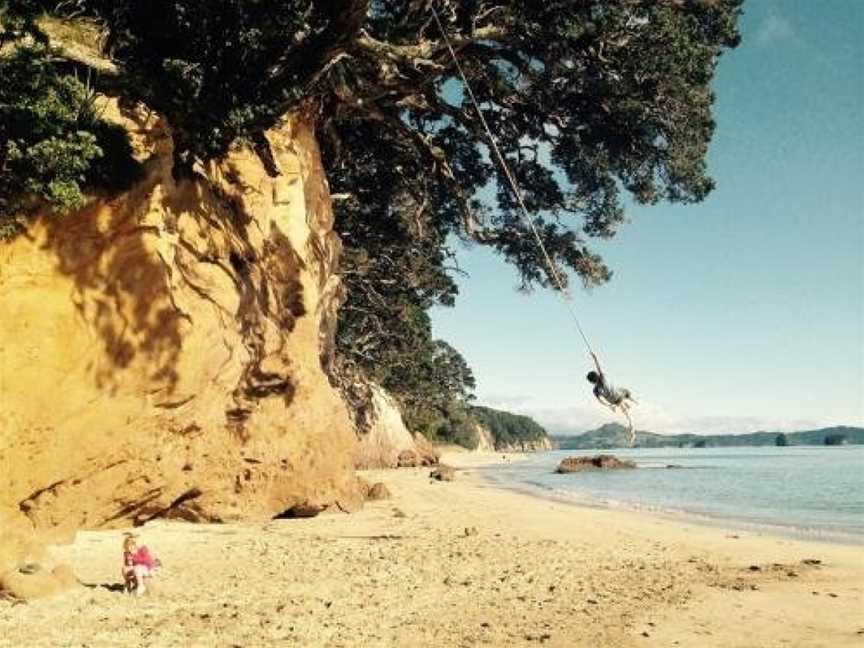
(138, 565)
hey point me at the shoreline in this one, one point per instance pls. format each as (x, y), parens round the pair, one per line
(459, 563)
(487, 462)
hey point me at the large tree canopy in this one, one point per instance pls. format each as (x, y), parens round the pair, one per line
(589, 99)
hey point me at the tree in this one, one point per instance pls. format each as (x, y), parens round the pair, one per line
(509, 429)
(53, 142)
(433, 384)
(781, 440)
(46, 144)
(835, 439)
(589, 99)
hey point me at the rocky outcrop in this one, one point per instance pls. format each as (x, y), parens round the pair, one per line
(384, 440)
(377, 492)
(534, 445)
(598, 462)
(426, 452)
(423, 454)
(161, 351)
(381, 432)
(488, 443)
(32, 581)
(373, 492)
(443, 473)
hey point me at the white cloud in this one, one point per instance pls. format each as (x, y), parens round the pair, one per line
(776, 28)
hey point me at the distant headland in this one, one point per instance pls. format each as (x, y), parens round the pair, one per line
(614, 435)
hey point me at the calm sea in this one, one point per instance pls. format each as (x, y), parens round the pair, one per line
(815, 492)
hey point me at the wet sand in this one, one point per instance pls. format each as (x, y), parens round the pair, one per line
(457, 563)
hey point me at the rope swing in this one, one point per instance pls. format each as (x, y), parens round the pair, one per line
(614, 399)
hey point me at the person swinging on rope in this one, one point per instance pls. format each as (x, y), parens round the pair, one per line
(615, 399)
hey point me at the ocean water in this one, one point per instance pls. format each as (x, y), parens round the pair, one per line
(810, 491)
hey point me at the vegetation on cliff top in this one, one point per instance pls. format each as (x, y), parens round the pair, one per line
(509, 429)
(456, 422)
(590, 101)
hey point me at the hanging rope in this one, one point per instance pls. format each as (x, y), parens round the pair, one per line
(517, 192)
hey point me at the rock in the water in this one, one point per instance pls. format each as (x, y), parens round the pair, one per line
(443, 473)
(597, 462)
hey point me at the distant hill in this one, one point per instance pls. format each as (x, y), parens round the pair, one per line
(614, 435)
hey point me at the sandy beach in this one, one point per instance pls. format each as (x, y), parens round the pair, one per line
(455, 564)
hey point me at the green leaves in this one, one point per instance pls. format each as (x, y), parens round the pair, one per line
(54, 167)
(47, 146)
(53, 142)
(508, 429)
(217, 71)
(589, 101)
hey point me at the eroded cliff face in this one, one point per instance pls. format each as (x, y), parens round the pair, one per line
(485, 440)
(384, 440)
(487, 443)
(161, 351)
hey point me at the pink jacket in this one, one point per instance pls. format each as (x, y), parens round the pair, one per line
(144, 557)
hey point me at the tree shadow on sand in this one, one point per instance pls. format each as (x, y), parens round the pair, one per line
(116, 588)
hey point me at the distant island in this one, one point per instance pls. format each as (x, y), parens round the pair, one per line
(614, 435)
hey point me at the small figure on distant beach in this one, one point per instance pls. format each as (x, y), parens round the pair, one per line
(139, 565)
(615, 399)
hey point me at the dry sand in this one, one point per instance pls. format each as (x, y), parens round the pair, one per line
(411, 571)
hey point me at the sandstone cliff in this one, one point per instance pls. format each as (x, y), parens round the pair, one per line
(161, 350)
(485, 440)
(384, 438)
(385, 435)
(488, 443)
(538, 445)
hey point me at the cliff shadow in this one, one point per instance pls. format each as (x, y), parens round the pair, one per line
(264, 269)
(121, 287)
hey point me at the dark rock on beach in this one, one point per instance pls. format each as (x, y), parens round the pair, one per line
(443, 473)
(597, 462)
(408, 459)
(424, 454)
(378, 492)
(302, 510)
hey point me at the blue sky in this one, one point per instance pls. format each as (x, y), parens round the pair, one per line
(745, 312)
